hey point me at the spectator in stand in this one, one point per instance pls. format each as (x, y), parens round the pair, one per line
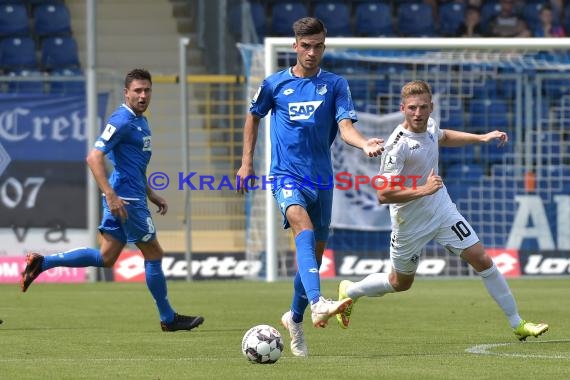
(548, 28)
(471, 26)
(507, 23)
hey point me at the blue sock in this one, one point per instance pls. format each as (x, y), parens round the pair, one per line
(300, 300)
(307, 264)
(76, 258)
(156, 283)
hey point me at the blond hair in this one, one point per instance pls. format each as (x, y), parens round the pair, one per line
(415, 87)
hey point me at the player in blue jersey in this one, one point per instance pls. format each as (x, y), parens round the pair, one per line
(309, 107)
(126, 141)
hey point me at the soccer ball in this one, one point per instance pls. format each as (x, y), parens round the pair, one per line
(262, 344)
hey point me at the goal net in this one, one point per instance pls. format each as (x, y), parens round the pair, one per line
(479, 85)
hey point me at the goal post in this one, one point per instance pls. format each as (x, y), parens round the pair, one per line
(459, 69)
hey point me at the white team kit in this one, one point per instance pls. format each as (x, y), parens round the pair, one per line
(408, 159)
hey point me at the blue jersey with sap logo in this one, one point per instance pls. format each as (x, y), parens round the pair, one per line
(304, 122)
(126, 141)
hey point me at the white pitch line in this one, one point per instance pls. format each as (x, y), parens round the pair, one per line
(485, 349)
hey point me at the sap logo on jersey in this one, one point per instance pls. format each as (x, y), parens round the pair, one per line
(303, 110)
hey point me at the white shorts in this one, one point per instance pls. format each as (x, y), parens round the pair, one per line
(451, 230)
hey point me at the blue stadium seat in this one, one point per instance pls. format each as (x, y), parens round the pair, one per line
(488, 114)
(52, 20)
(373, 20)
(14, 20)
(456, 189)
(531, 15)
(59, 53)
(67, 87)
(415, 20)
(488, 11)
(17, 53)
(453, 118)
(464, 155)
(464, 172)
(258, 17)
(566, 18)
(451, 16)
(336, 16)
(26, 87)
(284, 14)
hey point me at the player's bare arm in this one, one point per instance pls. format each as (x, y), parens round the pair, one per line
(453, 138)
(372, 147)
(246, 171)
(396, 193)
(157, 200)
(96, 162)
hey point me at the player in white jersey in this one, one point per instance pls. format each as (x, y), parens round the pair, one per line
(421, 210)
(309, 107)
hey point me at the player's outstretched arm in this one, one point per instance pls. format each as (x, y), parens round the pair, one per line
(245, 174)
(372, 147)
(453, 138)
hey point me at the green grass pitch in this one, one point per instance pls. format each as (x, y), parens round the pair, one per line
(440, 329)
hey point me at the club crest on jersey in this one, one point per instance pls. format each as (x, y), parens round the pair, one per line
(321, 88)
(303, 110)
(146, 144)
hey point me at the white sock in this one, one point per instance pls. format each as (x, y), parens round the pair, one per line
(373, 285)
(499, 289)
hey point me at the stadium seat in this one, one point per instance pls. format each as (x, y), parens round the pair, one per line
(451, 16)
(336, 16)
(453, 117)
(373, 20)
(415, 20)
(452, 155)
(464, 172)
(566, 18)
(488, 114)
(284, 14)
(59, 53)
(258, 20)
(14, 20)
(67, 87)
(531, 15)
(51, 20)
(456, 189)
(18, 53)
(488, 11)
(26, 87)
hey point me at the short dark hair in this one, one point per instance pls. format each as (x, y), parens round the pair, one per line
(139, 74)
(308, 26)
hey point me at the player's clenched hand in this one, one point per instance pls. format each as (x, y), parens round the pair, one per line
(496, 135)
(433, 183)
(159, 202)
(117, 206)
(373, 147)
(245, 179)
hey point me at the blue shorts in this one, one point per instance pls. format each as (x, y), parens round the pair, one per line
(317, 203)
(138, 227)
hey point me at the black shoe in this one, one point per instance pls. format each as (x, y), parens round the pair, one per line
(182, 322)
(33, 269)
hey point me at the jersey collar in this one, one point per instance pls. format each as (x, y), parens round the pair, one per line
(129, 109)
(294, 76)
